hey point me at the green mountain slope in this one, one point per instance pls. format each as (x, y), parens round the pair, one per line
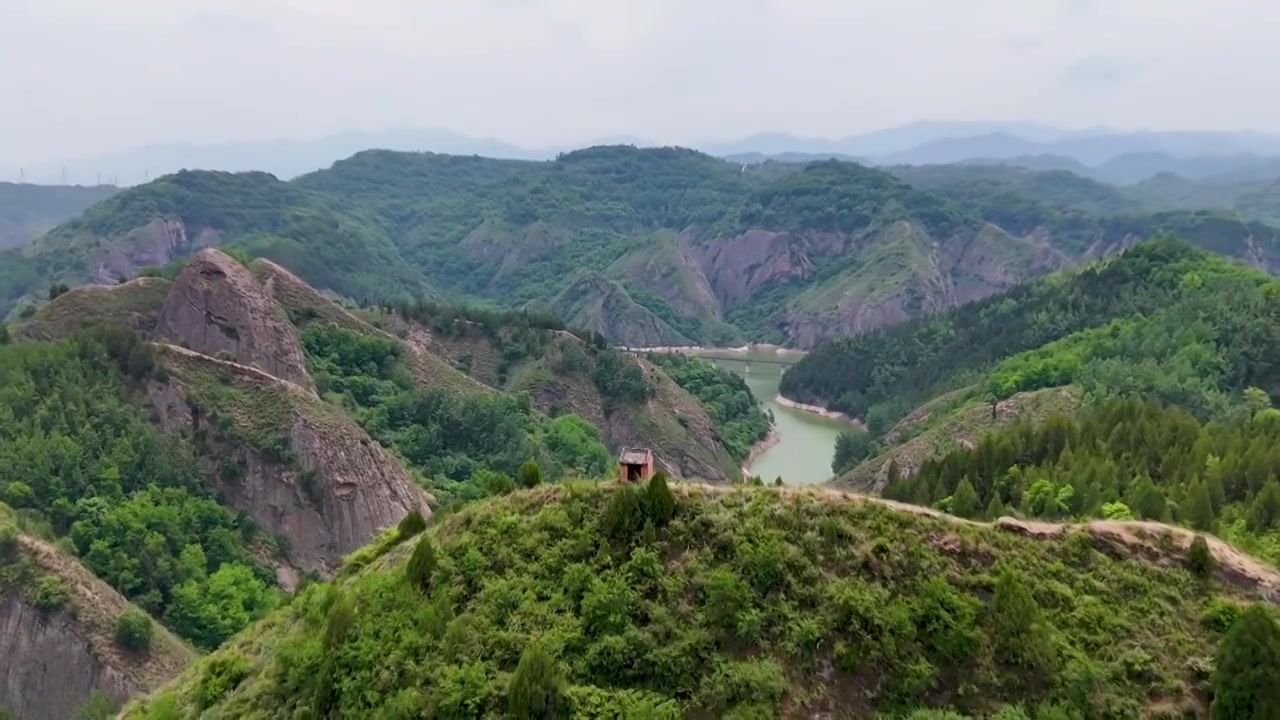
(172, 217)
(1119, 459)
(61, 632)
(705, 251)
(197, 442)
(743, 603)
(84, 467)
(1058, 188)
(1114, 310)
(1251, 200)
(28, 211)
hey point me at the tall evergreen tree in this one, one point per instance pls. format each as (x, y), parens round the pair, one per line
(995, 508)
(1018, 626)
(964, 501)
(1200, 510)
(1247, 676)
(1265, 511)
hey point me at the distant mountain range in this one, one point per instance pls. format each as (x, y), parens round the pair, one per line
(1098, 153)
(648, 247)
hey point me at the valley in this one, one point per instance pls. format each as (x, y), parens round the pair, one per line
(348, 445)
(800, 447)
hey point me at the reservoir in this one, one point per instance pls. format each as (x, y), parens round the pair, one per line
(806, 440)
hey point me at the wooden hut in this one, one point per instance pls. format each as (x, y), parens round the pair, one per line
(635, 464)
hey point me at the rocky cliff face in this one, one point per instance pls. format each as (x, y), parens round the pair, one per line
(669, 267)
(216, 306)
(894, 274)
(738, 267)
(301, 469)
(155, 243)
(51, 661)
(47, 667)
(600, 305)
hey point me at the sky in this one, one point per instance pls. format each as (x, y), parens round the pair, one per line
(83, 77)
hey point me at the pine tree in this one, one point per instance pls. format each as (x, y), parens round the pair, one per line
(1200, 511)
(1256, 399)
(1265, 511)
(1146, 500)
(964, 501)
(661, 501)
(995, 508)
(1018, 627)
(1216, 493)
(1247, 678)
(1199, 558)
(536, 690)
(422, 564)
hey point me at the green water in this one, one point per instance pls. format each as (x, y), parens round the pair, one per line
(806, 441)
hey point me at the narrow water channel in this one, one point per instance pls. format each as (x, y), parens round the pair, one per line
(806, 441)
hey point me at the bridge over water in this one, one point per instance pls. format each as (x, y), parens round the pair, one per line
(734, 361)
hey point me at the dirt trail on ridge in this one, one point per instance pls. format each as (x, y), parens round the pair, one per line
(1158, 543)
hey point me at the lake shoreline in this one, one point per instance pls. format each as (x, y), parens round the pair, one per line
(819, 410)
(771, 439)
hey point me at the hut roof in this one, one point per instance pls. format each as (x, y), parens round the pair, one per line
(634, 456)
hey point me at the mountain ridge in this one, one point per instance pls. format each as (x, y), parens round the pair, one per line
(687, 246)
(785, 683)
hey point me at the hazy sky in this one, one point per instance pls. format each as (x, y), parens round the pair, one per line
(80, 77)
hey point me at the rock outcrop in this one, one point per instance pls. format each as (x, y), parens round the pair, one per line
(135, 304)
(155, 243)
(216, 306)
(905, 273)
(738, 267)
(595, 303)
(302, 469)
(50, 661)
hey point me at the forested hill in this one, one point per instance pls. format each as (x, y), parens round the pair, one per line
(671, 601)
(1163, 318)
(649, 245)
(28, 211)
(204, 437)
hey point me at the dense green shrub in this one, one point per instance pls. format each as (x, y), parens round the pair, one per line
(530, 475)
(99, 706)
(339, 621)
(1199, 558)
(410, 525)
(537, 688)
(48, 593)
(133, 630)
(626, 514)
